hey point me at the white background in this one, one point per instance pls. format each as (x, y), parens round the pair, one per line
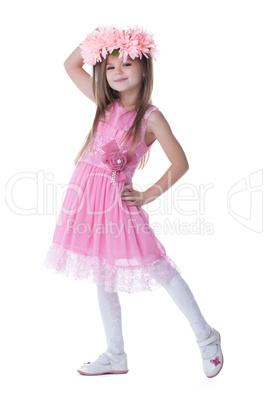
(211, 85)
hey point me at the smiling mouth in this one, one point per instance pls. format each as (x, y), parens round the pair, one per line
(123, 79)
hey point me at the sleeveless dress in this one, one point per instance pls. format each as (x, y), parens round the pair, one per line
(98, 236)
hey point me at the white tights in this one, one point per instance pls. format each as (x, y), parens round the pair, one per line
(110, 309)
(180, 292)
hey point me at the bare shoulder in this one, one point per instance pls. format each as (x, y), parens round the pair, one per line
(158, 126)
(155, 121)
(155, 117)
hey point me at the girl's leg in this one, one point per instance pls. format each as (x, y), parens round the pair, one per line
(183, 297)
(107, 362)
(111, 317)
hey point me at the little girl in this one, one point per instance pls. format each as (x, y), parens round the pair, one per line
(103, 233)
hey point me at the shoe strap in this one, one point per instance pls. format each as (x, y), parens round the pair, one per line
(213, 338)
(112, 357)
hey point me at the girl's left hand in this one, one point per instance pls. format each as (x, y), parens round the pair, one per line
(135, 196)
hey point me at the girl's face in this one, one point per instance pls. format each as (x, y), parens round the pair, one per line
(122, 76)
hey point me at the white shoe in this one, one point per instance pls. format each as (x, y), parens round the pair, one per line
(117, 364)
(213, 365)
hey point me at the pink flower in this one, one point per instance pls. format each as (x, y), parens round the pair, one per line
(133, 41)
(215, 361)
(115, 160)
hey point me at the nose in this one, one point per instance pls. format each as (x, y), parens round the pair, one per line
(118, 70)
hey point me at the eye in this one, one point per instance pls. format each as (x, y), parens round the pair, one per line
(111, 67)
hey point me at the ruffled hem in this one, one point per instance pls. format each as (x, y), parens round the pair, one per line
(114, 278)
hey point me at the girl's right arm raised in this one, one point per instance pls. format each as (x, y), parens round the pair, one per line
(74, 68)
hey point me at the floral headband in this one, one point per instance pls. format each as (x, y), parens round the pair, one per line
(133, 42)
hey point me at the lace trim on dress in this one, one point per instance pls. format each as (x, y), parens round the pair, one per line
(114, 278)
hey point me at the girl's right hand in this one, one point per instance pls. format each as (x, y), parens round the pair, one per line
(135, 197)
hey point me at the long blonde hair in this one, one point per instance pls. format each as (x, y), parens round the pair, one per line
(105, 95)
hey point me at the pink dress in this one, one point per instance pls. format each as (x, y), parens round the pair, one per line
(99, 236)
